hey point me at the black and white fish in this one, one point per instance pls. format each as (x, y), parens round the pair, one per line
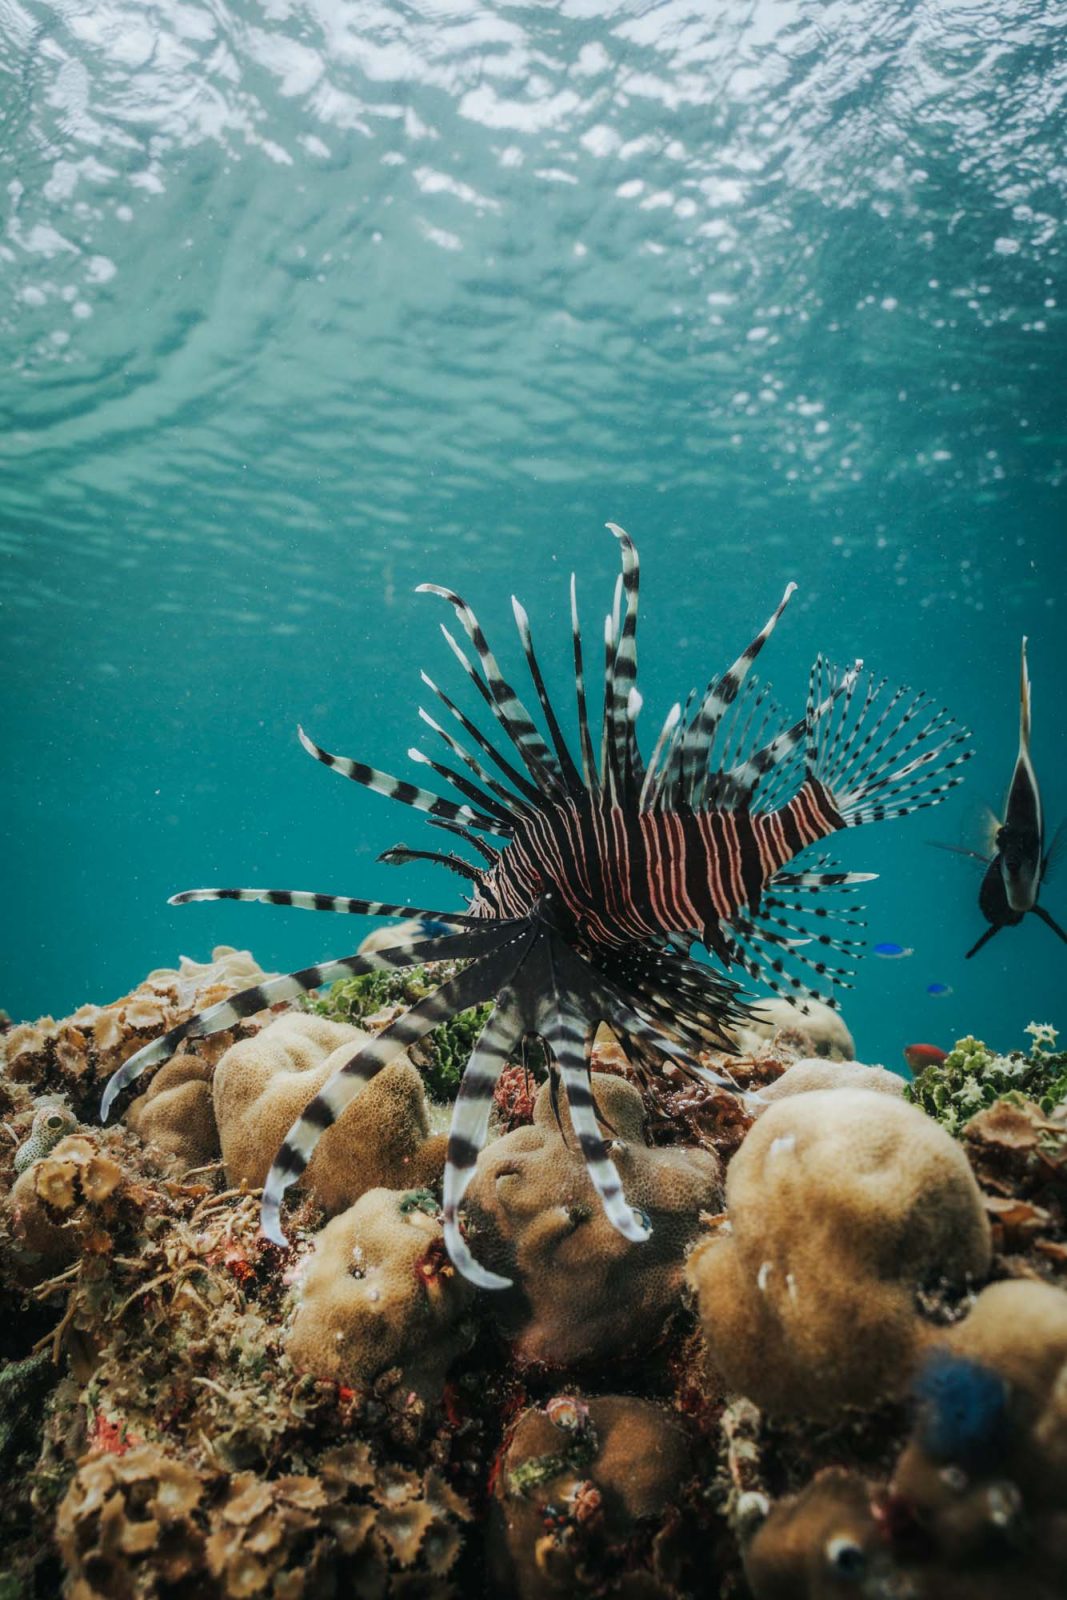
(1016, 869)
(607, 870)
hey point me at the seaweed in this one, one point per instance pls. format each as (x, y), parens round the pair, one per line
(441, 1058)
(973, 1076)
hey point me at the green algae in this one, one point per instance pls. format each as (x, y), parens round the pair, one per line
(443, 1056)
(973, 1076)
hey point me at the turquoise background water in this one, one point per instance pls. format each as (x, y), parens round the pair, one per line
(305, 303)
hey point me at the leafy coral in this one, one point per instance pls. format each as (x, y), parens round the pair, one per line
(972, 1077)
(444, 1055)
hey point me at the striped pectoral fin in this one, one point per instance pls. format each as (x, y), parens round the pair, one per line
(272, 991)
(470, 1124)
(468, 988)
(570, 1040)
(408, 794)
(304, 900)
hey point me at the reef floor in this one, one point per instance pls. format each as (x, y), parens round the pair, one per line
(837, 1368)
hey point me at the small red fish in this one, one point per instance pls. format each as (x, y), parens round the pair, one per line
(919, 1056)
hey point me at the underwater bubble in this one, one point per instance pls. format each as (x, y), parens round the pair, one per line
(892, 952)
(938, 990)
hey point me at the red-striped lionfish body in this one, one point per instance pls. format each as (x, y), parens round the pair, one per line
(607, 870)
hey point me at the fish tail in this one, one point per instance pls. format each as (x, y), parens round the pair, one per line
(879, 752)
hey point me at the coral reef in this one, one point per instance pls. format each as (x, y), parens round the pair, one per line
(382, 1140)
(582, 1291)
(176, 1115)
(188, 1410)
(972, 1076)
(844, 1205)
(75, 1057)
(818, 1030)
(377, 998)
(581, 1498)
(379, 1292)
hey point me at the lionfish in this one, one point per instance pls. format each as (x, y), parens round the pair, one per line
(607, 870)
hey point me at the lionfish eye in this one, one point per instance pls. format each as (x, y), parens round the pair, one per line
(846, 1557)
(55, 1120)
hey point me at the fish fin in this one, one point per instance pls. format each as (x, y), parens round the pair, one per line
(291, 986)
(987, 935)
(879, 753)
(305, 900)
(1055, 853)
(960, 850)
(469, 987)
(398, 789)
(1024, 703)
(1039, 911)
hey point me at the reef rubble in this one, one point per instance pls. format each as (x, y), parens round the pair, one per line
(837, 1369)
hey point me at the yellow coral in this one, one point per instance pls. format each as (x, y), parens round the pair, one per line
(843, 1204)
(582, 1288)
(380, 1292)
(383, 1138)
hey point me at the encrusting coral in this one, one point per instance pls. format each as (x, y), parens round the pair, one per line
(582, 1493)
(54, 1204)
(379, 1292)
(383, 1139)
(582, 1291)
(75, 1057)
(844, 1206)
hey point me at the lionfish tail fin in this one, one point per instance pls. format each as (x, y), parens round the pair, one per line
(879, 752)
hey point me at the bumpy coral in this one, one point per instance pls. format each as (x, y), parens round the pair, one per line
(176, 1115)
(985, 1474)
(382, 1139)
(380, 1292)
(147, 1523)
(77, 1056)
(817, 1031)
(822, 1544)
(844, 1207)
(582, 1290)
(586, 1501)
(816, 1073)
(973, 1076)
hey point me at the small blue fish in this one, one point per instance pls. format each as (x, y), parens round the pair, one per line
(938, 990)
(892, 952)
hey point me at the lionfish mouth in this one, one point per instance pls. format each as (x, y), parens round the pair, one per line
(606, 870)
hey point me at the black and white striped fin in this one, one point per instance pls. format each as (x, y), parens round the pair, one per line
(304, 900)
(649, 783)
(882, 760)
(526, 789)
(666, 787)
(396, 789)
(470, 1125)
(248, 1002)
(506, 816)
(501, 697)
(470, 987)
(625, 699)
(585, 741)
(700, 736)
(571, 776)
(514, 807)
(570, 1039)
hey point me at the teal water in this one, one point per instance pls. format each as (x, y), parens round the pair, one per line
(307, 302)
